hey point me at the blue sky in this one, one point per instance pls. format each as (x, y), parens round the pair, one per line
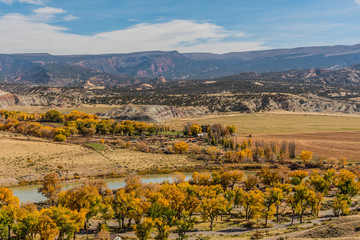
(121, 26)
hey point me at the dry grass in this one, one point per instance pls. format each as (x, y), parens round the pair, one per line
(30, 158)
(343, 228)
(326, 135)
(269, 123)
(323, 144)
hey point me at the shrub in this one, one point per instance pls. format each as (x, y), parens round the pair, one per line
(60, 138)
(332, 162)
(195, 149)
(142, 147)
(128, 144)
(195, 130)
(180, 147)
(102, 141)
(121, 143)
(306, 156)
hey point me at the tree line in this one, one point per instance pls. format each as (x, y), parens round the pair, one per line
(72, 124)
(270, 194)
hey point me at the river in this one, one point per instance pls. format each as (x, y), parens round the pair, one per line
(29, 193)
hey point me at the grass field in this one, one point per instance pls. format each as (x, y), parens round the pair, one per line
(268, 123)
(325, 135)
(323, 144)
(96, 146)
(30, 158)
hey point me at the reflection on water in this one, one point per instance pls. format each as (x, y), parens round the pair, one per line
(30, 193)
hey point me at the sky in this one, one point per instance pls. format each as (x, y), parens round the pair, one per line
(64, 27)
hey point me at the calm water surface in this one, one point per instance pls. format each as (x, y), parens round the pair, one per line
(29, 193)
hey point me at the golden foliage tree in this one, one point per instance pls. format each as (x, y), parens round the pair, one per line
(306, 156)
(51, 188)
(180, 147)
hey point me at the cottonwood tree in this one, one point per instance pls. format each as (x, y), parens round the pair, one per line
(272, 198)
(51, 188)
(143, 229)
(125, 205)
(298, 176)
(294, 206)
(340, 205)
(268, 177)
(68, 222)
(346, 184)
(303, 196)
(251, 182)
(84, 198)
(211, 208)
(251, 201)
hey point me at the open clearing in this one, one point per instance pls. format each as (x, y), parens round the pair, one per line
(268, 123)
(323, 144)
(325, 135)
(31, 158)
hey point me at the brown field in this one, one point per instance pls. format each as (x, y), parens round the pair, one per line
(327, 135)
(323, 144)
(280, 122)
(30, 158)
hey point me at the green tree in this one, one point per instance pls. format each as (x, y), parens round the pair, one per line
(143, 229)
(184, 224)
(231, 129)
(340, 205)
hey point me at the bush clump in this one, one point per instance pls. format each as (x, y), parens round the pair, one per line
(60, 138)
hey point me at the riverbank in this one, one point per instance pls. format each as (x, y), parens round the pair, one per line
(27, 159)
(184, 170)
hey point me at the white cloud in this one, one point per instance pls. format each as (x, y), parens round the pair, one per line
(48, 11)
(69, 18)
(7, 1)
(35, 2)
(24, 34)
(45, 14)
(357, 2)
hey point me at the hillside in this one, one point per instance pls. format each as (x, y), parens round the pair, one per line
(113, 70)
(307, 90)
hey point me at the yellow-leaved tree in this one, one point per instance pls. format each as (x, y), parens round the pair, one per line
(306, 156)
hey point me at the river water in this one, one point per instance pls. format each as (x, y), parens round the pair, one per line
(29, 193)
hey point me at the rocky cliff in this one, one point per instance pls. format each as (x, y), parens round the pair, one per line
(8, 99)
(116, 69)
(152, 113)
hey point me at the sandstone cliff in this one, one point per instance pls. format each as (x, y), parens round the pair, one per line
(152, 113)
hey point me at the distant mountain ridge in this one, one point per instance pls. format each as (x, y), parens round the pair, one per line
(114, 70)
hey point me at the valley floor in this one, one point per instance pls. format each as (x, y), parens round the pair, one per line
(29, 159)
(26, 158)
